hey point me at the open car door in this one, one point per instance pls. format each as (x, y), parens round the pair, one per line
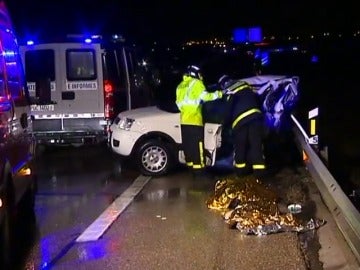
(212, 141)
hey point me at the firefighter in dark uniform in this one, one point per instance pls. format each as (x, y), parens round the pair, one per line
(190, 95)
(247, 127)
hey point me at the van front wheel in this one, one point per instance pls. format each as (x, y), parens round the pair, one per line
(155, 158)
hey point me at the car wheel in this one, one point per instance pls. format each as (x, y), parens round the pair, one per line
(155, 158)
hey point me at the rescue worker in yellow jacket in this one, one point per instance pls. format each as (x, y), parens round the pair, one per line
(190, 95)
(247, 127)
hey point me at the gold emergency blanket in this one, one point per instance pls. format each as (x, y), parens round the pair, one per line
(251, 207)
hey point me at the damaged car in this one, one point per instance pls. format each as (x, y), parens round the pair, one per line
(151, 136)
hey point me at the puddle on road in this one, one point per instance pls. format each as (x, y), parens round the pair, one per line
(161, 194)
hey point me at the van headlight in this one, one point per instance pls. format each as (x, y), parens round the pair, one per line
(125, 123)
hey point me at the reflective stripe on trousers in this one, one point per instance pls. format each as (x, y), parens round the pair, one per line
(255, 166)
(202, 164)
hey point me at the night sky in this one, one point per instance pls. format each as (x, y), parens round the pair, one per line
(179, 20)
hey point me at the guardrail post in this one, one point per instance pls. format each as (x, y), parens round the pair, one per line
(313, 116)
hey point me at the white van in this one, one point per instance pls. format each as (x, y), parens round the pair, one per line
(77, 87)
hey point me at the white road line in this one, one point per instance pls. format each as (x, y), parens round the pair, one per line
(103, 222)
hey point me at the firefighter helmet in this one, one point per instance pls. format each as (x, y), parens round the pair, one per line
(224, 81)
(194, 71)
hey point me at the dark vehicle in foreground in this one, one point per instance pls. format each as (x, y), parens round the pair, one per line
(17, 170)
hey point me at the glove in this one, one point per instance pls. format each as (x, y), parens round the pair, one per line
(225, 91)
(226, 94)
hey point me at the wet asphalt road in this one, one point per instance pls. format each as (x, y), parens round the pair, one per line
(166, 226)
(75, 185)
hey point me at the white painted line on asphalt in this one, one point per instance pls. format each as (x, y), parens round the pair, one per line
(103, 222)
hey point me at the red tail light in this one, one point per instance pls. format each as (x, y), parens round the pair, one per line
(109, 100)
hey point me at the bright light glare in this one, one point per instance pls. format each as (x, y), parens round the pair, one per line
(25, 171)
(314, 59)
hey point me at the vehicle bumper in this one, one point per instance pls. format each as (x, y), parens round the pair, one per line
(70, 137)
(122, 141)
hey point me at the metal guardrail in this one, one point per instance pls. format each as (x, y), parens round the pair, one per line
(346, 216)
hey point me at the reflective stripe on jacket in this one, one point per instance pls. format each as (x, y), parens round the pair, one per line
(190, 94)
(245, 105)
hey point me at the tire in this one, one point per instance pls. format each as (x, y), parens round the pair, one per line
(6, 227)
(155, 158)
(117, 165)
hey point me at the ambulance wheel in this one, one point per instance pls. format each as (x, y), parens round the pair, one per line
(155, 158)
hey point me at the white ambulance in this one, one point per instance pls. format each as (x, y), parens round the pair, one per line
(78, 86)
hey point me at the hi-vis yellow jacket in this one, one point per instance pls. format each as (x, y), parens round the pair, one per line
(190, 94)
